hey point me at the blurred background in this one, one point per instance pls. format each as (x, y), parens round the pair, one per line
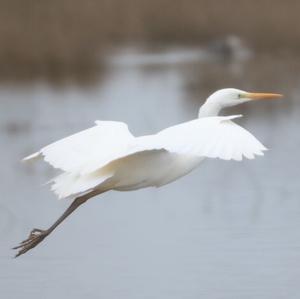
(228, 230)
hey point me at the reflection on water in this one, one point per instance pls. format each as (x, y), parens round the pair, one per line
(228, 230)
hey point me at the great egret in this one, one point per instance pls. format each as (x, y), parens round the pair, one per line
(108, 157)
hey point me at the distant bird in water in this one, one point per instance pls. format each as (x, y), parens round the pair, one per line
(108, 157)
(229, 48)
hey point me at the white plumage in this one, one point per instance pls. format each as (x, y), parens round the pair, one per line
(91, 158)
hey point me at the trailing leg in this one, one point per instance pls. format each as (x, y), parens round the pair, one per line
(36, 236)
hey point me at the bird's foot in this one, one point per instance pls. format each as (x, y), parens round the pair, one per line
(35, 237)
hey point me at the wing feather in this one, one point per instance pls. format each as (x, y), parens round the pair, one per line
(213, 137)
(96, 145)
(225, 140)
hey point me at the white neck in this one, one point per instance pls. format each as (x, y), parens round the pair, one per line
(209, 109)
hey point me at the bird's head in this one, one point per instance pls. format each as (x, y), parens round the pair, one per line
(228, 97)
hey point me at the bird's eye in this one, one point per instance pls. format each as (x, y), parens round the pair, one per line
(239, 96)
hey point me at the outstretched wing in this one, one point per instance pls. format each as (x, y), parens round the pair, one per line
(212, 137)
(97, 145)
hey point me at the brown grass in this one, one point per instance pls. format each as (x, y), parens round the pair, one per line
(65, 35)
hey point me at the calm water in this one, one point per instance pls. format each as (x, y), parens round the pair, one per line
(228, 230)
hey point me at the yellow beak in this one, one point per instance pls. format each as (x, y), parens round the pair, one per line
(262, 96)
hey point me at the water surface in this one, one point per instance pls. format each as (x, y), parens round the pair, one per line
(228, 230)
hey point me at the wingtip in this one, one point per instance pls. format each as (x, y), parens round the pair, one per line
(236, 116)
(230, 117)
(31, 157)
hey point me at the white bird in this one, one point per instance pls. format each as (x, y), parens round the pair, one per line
(108, 157)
